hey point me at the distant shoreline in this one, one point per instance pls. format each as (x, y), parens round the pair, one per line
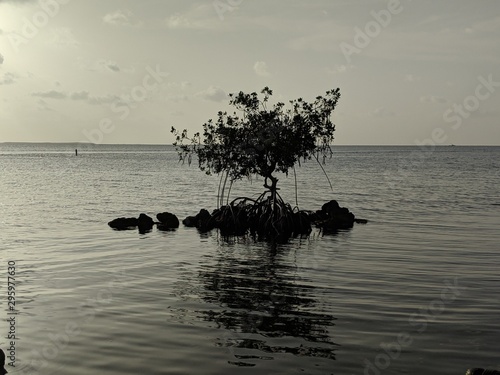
(165, 144)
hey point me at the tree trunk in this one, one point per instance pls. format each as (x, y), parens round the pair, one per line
(272, 188)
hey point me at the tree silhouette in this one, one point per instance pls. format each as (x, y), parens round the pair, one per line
(257, 140)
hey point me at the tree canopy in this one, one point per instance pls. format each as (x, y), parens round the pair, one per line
(259, 138)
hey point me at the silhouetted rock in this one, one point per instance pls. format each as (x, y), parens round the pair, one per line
(190, 221)
(333, 217)
(203, 221)
(331, 206)
(145, 223)
(124, 223)
(167, 221)
(301, 223)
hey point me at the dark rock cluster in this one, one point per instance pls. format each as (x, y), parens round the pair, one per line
(332, 217)
(145, 223)
(241, 218)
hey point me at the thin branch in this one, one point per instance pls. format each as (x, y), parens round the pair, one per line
(323, 169)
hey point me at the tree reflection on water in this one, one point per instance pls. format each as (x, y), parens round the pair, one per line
(264, 304)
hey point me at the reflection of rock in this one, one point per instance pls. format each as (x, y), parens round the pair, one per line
(360, 221)
(167, 221)
(145, 223)
(123, 223)
(301, 350)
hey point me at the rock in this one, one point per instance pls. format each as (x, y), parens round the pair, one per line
(333, 217)
(331, 206)
(339, 221)
(203, 221)
(145, 223)
(301, 223)
(167, 221)
(124, 223)
(190, 221)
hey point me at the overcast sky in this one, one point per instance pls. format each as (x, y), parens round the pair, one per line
(125, 71)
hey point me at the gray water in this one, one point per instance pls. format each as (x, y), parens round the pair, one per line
(414, 291)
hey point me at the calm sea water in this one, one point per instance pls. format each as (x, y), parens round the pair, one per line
(414, 291)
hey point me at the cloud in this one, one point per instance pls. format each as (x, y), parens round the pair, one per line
(179, 21)
(177, 97)
(213, 93)
(63, 37)
(102, 65)
(52, 94)
(340, 69)
(81, 95)
(105, 99)
(121, 18)
(108, 65)
(42, 105)
(199, 17)
(434, 99)
(8, 79)
(383, 112)
(17, 2)
(261, 69)
(411, 78)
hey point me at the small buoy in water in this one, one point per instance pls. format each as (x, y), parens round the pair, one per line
(76, 152)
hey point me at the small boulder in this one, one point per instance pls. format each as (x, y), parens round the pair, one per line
(167, 221)
(203, 220)
(145, 223)
(334, 217)
(190, 221)
(301, 223)
(331, 206)
(124, 223)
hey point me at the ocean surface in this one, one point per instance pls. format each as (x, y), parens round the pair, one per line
(414, 291)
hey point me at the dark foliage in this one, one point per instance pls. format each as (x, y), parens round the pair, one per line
(257, 140)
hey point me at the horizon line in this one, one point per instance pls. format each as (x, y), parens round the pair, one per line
(170, 144)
